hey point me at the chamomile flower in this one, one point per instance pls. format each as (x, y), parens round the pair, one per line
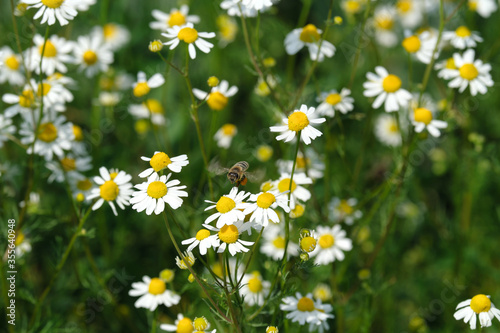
(150, 108)
(228, 28)
(190, 36)
(470, 73)
(299, 121)
(115, 35)
(387, 130)
(22, 102)
(54, 95)
(143, 86)
(303, 309)
(229, 208)
(323, 292)
(188, 260)
(237, 8)
(176, 17)
(201, 324)
(55, 56)
(264, 153)
(483, 7)
(254, 289)
(6, 129)
(480, 305)
(181, 325)
(445, 68)
(110, 99)
(92, 54)
(332, 243)
(310, 37)
(153, 292)
(11, 71)
(423, 119)
(81, 186)
(352, 7)
(265, 203)
(70, 165)
(228, 237)
(273, 245)
(345, 210)
(387, 88)
(159, 161)
(203, 239)
(311, 164)
(78, 146)
(421, 46)
(224, 136)
(218, 97)
(383, 22)
(333, 100)
(156, 192)
(263, 87)
(113, 187)
(272, 329)
(410, 13)
(298, 192)
(50, 10)
(462, 38)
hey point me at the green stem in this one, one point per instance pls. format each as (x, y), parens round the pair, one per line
(153, 323)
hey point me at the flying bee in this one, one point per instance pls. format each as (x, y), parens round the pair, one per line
(237, 174)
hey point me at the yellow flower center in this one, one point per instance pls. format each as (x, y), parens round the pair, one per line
(472, 5)
(423, 115)
(265, 200)
(84, 185)
(309, 34)
(403, 6)
(109, 30)
(217, 101)
(284, 185)
(19, 238)
(264, 153)
(279, 242)
(185, 325)
(480, 303)
(157, 286)
(68, 164)
(176, 18)
(345, 208)
(468, 72)
(53, 3)
(202, 234)
(141, 126)
(12, 63)
(297, 121)
(157, 189)
(229, 130)
(78, 133)
(384, 22)
(305, 304)
(50, 50)
(200, 323)
(225, 205)
(26, 98)
(47, 132)
(302, 162)
(89, 57)
(167, 275)
(113, 175)
(393, 128)
(411, 44)
(155, 46)
(46, 88)
(255, 284)
(391, 83)
(188, 35)
(269, 62)
(308, 244)
(326, 241)
(229, 234)
(187, 261)
(109, 190)
(141, 89)
(463, 31)
(322, 293)
(159, 161)
(298, 211)
(352, 6)
(213, 81)
(333, 99)
(154, 106)
(450, 64)
(272, 329)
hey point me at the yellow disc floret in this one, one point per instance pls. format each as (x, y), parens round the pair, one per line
(45, 87)
(391, 83)
(308, 244)
(463, 31)
(53, 3)
(78, 133)
(109, 30)
(411, 44)
(403, 6)
(89, 57)
(12, 63)
(50, 50)
(185, 325)
(297, 121)
(298, 211)
(188, 35)
(84, 185)
(202, 234)
(333, 99)
(309, 34)
(326, 241)
(423, 115)
(167, 275)
(480, 303)
(265, 200)
(284, 185)
(255, 283)
(468, 72)
(305, 304)
(279, 242)
(154, 106)
(229, 234)
(141, 89)
(159, 161)
(26, 98)
(225, 204)
(176, 18)
(157, 189)
(68, 164)
(47, 132)
(272, 329)
(157, 286)
(228, 129)
(109, 190)
(345, 208)
(200, 323)
(217, 101)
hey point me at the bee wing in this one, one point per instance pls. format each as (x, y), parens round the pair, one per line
(256, 176)
(215, 168)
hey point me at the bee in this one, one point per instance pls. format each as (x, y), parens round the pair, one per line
(237, 174)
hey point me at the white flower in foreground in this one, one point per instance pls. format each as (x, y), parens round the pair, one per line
(203, 239)
(483, 7)
(422, 46)
(114, 186)
(273, 244)
(387, 130)
(299, 121)
(218, 97)
(332, 100)
(182, 325)
(50, 10)
(153, 292)
(228, 236)
(423, 118)
(224, 136)
(92, 54)
(265, 203)
(143, 86)
(471, 73)
(254, 289)
(387, 88)
(176, 17)
(190, 36)
(345, 210)
(10, 72)
(6, 129)
(229, 208)
(462, 37)
(305, 309)
(480, 305)
(310, 37)
(298, 192)
(332, 243)
(55, 55)
(159, 161)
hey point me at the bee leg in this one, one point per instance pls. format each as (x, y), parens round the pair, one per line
(243, 181)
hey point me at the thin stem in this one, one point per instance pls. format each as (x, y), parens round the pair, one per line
(228, 294)
(153, 323)
(171, 64)
(254, 249)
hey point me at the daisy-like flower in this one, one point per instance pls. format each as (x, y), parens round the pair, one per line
(423, 119)
(264, 153)
(190, 36)
(176, 17)
(50, 10)
(218, 97)
(263, 87)
(237, 8)
(462, 37)
(203, 239)
(483, 7)
(228, 237)
(55, 55)
(182, 325)
(185, 262)
(92, 54)
(303, 309)
(410, 13)
(333, 100)
(81, 186)
(201, 324)
(6, 129)
(472, 73)
(10, 72)
(156, 192)
(298, 192)
(272, 329)
(143, 86)
(480, 305)
(352, 7)
(113, 187)
(150, 108)
(387, 130)
(445, 68)
(54, 95)
(254, 289)
(299, 121)
(78, 146)
(332, 243)
(387, 88)
(228, 28)
(265, 203)
(153, 292)
(70, 165)
(224, 136)
(115, 35)
(109, 99)
(229, 208)
(422, 46)
(159, 161)
(344, 210)
(312, 164)
(323, 292)
(310, 37)
(273, 244)
(383, 22)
